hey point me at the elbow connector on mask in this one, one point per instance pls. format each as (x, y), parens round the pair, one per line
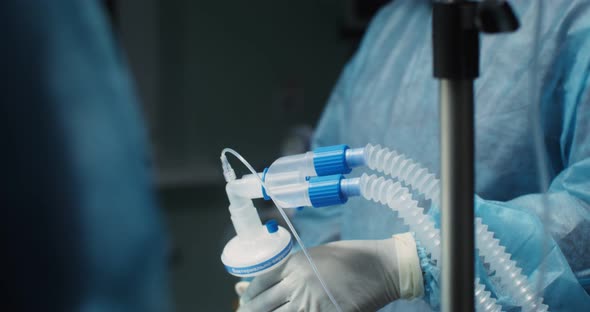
(256, 248)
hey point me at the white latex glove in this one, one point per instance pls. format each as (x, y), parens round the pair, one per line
(362, 275)
(241, 287)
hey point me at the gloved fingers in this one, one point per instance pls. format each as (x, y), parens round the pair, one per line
(241, 287)
(261, 284)
(287, 307)
(271, 299)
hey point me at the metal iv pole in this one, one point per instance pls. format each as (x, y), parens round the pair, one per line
(456, 25)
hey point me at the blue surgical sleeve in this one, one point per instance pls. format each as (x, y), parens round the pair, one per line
(547, 234)
(387, 95)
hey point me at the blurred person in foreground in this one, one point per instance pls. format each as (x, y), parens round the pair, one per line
(80, 226)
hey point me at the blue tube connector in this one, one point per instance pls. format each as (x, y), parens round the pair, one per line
(330, 160)
(325, 191)
(332, 190)
(337, 159)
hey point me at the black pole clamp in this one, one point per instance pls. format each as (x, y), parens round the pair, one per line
(455, 34)
(455, 39)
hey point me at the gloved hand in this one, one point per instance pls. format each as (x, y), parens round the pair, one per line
(362, 275)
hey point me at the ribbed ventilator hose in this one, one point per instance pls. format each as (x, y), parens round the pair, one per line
(484, 300)
(398, 198)
(412, 173)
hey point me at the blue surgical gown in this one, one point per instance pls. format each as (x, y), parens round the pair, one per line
(387, 95)
(81, 231)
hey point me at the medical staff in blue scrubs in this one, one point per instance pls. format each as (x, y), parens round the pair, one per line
(387, 95)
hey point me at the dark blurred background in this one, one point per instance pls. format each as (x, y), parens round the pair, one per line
(251, 75)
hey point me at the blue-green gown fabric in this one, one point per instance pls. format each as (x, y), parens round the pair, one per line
(386, 95)
(80, 227)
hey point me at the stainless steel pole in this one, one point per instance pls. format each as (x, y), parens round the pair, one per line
(457, 229)
(456, 25)
(456, 65)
